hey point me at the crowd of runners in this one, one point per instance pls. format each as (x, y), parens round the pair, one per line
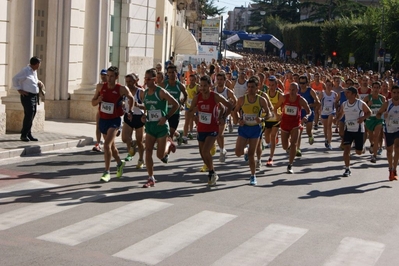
(266, 101)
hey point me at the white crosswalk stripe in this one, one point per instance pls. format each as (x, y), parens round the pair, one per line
(356, 252)
(24, 188)
(103, 223)
(40, 210)
(264, 247)
(158, 247)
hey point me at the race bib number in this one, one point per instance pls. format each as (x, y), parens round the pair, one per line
(205, 118)
(327, 109)
(352, 126)
(374, 111)
(107, 108)
(250, 119)
(393, 122)
(154, 115)
(291, 110)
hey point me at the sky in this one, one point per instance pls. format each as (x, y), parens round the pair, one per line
(230, 5)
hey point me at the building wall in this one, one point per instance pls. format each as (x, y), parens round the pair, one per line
(4, 32)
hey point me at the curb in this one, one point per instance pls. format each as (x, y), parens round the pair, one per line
(46, 147)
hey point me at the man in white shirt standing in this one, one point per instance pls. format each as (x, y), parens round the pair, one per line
(27, 85)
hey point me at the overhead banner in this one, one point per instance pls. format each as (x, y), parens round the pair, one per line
(210, 32)
(254, 44)
(208, 50)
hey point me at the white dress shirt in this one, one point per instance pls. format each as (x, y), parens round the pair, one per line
(26, 80)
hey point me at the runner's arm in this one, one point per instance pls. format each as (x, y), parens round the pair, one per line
(97, 98)
(382, 110)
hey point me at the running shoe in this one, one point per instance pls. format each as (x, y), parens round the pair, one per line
(252, 180)
(311, 140)
(230, 128)
(214, 178)
(118, 132)
(258, 164)
(128, 158)
(395, 175)
(106, 176)
(204, 168)
(132, 150)
(298, 153)
(213, 149)
(379, 152)
(150, 183)
(185, 140)
(140, 164)
(392, 175)
(165, 159)
(119, 169)
(267, 145)
(172, 147)
(371, 149)
(329, 147)
(246, 154)
(316, 127)
(179, 141)
(336, 130)
(269, 162)
(190, 136)
(289, 169)
(347, 173)
(209, 181)
(97, 148)
(326, 144)
(222, 157)
(373, 159)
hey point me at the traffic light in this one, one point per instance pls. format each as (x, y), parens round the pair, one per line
(334, 54)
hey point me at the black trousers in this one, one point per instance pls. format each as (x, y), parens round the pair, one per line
(29, 102)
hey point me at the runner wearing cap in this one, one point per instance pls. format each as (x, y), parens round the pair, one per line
(103, 78)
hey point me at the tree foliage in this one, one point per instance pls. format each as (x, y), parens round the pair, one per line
(209, 9)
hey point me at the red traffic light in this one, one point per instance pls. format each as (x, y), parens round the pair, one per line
(334, 53)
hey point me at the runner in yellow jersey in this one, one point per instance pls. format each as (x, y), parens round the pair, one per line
(192, 90)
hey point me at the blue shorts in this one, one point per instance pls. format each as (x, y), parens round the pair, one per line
(310, 118)
(201, 136)
(326, 116)
(105, 124)
(250, 132)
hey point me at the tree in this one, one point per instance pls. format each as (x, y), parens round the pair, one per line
(284, 9)
(209, 9)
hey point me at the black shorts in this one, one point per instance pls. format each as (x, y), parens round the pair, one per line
(135, 123)
(201, 136)
(174, 121)
(390, 138)
(270, 124)
(356, 137)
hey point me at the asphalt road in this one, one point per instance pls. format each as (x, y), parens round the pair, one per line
(54, 211)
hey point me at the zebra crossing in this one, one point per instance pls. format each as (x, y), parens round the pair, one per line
(261, 248)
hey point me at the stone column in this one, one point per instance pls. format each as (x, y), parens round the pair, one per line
(21, 49)
(81, 107)
(57, 103)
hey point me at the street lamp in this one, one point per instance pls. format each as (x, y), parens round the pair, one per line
(262, 13)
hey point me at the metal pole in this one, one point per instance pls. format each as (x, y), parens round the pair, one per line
(220, 41)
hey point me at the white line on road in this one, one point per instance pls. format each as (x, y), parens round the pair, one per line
(356, 252)
(90, 228)
(24, 188)
(156, 248)
(264, 247)
(37, 211)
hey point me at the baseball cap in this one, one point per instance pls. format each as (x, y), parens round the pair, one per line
(352, 89)
(272, 78)
(103, 71)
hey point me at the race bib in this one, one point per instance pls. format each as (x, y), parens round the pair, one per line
(291, 110)
(154, 115)
(189, 101)
(107, 108)
(250, 119)
(352, 126)
(374, 111)
(393, 122)
(327, 109)
(205, 118)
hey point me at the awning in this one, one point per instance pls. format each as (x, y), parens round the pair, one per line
(231, 55)
(185, 42)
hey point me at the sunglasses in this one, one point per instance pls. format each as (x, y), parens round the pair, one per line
(302, 83)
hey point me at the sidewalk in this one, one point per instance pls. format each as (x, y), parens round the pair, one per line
(58, 134)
